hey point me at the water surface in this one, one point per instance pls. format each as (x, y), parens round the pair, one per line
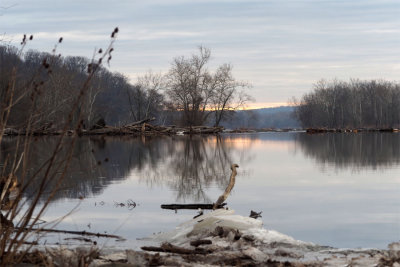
(340, 190)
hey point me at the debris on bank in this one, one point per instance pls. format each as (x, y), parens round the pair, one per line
(142, 127)
(221, 238)
(217, 238)
(347, 130)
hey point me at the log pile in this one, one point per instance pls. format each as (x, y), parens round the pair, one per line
(149, 129)
(142, 127)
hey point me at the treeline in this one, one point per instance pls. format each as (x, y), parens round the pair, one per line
(49, 84)
(46, 85)
(353, 104)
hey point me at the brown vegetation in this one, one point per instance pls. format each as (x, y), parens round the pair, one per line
(22, 102)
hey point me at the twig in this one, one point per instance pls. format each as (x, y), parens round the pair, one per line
(83, 233)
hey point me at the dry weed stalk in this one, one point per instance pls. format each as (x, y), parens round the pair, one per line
(20, 218)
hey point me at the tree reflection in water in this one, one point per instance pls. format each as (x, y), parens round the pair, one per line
(201, 162)
(186, 164)
(354, 151)
(189, 166)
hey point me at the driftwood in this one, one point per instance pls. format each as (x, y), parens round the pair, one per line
(200, 242)
(167, 247)
(141, 127)
(79, 239)
(199, 214)
(83, 233)
(140, 122)
(225, 195)
(190, 206)
(144, 128)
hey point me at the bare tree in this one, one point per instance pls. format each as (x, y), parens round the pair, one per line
(189, 86)
(145, 97)
(228, 94)
(339, 104)
(197, 92)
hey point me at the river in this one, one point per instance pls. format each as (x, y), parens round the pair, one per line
(339, 189)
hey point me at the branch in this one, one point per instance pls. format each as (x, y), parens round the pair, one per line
(225, 195)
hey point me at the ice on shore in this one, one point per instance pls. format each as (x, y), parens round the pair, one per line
(259, 244)
(236, 240)
(203, 225)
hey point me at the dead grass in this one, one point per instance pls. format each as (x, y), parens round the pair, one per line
(21, 218)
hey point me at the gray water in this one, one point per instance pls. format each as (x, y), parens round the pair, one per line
(340, 190)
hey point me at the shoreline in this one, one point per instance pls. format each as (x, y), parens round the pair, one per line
(146, 129)
(220, 238)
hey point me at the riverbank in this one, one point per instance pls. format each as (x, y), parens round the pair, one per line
(221, 238)
(145, 128)
(315, 130)
(136, 130)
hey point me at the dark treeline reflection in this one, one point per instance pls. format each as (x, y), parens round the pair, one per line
(354, 151)
(186, 164)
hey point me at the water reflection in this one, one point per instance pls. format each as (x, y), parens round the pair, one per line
(352, 151)
(277, 175)
(197, 165)
(189, 166)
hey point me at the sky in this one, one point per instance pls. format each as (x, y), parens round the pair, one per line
(281, 47)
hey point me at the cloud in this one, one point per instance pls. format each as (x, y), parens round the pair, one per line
(283, 45)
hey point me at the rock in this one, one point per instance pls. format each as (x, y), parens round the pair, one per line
(287, 254)
(115, 257)
(254, 214)
(255, 254)
(394, 250)
(136, 258)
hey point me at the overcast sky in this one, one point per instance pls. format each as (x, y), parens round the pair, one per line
(282, 47)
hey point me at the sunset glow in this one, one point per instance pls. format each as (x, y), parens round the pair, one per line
(258, 105)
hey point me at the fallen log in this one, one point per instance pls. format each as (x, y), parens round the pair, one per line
(389, 130)
(137, 128)
(139, 122)
(167, 247)
(200, 242)
(191, 206)
(210, 130)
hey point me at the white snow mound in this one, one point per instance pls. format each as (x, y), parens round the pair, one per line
(206, 223)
